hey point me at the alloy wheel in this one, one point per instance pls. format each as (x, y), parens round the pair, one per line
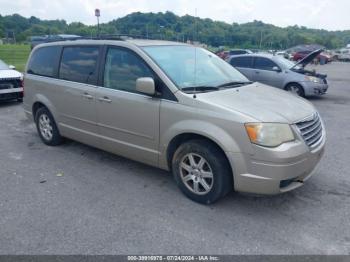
(196, 174)
(294, 90)
(45, 127)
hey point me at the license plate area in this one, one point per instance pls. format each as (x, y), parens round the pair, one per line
(6, 85)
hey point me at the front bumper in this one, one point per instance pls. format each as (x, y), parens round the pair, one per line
(275, 170)
(12, 93)
(311, 88)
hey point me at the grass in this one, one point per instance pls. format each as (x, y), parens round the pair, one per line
(16, 55)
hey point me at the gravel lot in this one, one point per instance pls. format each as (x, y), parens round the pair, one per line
(75, 199)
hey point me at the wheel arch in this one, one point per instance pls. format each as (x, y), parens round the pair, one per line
(179, 139)
(293, 82)
(42, 101)
(36, 106)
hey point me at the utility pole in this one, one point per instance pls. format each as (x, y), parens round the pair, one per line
(195, 28)
(160, 32)
(98, 14)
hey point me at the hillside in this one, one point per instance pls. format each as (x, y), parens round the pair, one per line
(172, 27)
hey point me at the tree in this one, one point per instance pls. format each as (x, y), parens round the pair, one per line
(172, 27)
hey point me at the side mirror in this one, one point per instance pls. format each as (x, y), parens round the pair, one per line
(12, 67)
(146, 85)
(276, 69)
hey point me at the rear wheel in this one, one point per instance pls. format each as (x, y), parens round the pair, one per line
(47, 128)
(201, 171)
(295, 89)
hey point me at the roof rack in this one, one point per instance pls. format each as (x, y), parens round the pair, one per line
(120, 37)
(117, 37)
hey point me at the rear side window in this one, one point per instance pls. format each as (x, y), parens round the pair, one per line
(244, 62)
(44, 61)
(264, 64)
(79, 64)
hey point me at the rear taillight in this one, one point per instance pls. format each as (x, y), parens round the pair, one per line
(21, 84)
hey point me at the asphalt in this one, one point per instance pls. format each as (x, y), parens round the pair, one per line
(75, 199)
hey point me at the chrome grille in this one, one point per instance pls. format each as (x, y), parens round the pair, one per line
(6, 85)
(311, 130)
(9, 83)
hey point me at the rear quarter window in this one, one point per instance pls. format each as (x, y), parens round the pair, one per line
(44, 61)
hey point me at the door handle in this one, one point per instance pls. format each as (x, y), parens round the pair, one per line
(88, 96)
(105, 99)
(257, 72)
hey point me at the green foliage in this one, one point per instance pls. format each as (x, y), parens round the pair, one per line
(16, 55)
(169, 26)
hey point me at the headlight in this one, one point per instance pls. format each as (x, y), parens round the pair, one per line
(269, 134)
(312, 79)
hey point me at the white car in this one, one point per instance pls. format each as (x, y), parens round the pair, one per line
(11, 83)
(343, 54)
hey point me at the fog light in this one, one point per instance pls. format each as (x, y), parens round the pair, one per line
(285, 183)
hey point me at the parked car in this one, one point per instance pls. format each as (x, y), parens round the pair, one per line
(11, 83)
(343, 55)
(279, 72)
(322, 57)
(227, 54)
(235, 52)
(281, 53)
(177, 107)
(284, 54)
(223, 54)
(239, 52)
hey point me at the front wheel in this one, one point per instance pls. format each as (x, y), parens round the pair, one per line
(295, 89)
(201, 171)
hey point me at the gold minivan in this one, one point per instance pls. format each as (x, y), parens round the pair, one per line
(177, 107)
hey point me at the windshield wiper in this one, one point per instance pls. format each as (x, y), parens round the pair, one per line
(199, 89)
(207, 88)
(235, 84)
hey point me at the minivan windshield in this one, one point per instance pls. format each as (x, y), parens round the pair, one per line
(193, 67)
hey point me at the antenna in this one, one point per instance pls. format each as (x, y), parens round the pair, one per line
(195, 53)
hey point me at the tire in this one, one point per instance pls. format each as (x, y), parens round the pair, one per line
(47, 128)
(214, 162)
(296, 89)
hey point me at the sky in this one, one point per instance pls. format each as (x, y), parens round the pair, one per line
(321, 14)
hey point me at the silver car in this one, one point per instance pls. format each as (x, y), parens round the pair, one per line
(275, 70)
(176, 107)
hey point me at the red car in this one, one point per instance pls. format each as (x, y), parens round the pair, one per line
(223, 54)
(322, 57)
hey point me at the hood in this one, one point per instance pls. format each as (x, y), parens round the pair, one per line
(308, 59)
(9, 74)
(261, 102)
